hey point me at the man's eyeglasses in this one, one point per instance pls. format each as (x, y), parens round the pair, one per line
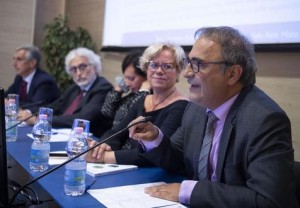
(80, 67)
(199, 65)
(153, 66)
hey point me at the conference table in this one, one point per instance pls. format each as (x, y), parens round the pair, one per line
(53, 183)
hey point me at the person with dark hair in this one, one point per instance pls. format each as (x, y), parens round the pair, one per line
(116, 104)
(234, 144)
(32, 84)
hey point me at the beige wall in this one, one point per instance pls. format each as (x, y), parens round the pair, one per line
(16, 28)
(23, 22)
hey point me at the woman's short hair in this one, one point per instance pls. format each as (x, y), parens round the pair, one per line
(153, 50)
(133, 58)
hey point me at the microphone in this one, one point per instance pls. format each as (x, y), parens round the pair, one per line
(144, 120)
(40, 102)
(34, 114)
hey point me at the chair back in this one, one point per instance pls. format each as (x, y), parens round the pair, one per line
(297, 174)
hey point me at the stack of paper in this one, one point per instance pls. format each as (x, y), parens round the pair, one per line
(97, 169)
(132, 196)
(58, 135)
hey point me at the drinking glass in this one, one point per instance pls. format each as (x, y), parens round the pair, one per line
(11, 117)
(48, 112)
(85, 124)
(16, 98)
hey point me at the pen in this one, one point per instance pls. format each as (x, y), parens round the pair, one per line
(87, 187)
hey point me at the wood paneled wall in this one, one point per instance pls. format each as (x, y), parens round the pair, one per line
(23, 21)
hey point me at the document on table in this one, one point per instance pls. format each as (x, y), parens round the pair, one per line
(57, 157)
(58, 135)
(97, 169)
(132, 196)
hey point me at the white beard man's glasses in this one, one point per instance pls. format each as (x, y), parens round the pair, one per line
(80, 67)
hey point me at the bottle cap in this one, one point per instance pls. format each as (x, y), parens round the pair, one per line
(78, 129)
(11, 101)
(43, 116)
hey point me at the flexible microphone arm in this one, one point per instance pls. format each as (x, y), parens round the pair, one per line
(40, 102)
(32, 115)
(144, 120)
(29, 117)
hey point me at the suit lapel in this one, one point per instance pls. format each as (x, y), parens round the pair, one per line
(224, 141)
(227, 130)
(33, 84)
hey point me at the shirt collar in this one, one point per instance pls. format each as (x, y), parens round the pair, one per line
(29, 78)
(222, 111)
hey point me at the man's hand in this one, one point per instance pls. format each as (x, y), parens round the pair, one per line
(24, 114)
(98, 154)
(143, 131)
(165, 191)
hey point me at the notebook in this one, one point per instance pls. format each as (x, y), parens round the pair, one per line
(98, 169)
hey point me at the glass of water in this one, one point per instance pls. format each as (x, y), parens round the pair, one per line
(85, 124)
(48, 112)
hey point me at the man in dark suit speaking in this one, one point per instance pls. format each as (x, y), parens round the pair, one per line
(234, 144)
(34, 86)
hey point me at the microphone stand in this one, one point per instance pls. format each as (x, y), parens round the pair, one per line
(34, 114)
(29, 117)
(146, 119)
(32, 104)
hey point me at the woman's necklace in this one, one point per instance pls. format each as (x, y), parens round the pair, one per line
(155, 105)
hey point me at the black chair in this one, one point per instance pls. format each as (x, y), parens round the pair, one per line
(297, 173)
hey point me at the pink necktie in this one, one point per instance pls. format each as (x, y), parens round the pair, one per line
(74, 104)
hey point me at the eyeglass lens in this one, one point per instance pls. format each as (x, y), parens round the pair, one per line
(80, 67)
(195, 64)
(164, 66)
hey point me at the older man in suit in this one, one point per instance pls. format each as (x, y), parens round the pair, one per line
(34, 86)
(84, 98)
(234, 144)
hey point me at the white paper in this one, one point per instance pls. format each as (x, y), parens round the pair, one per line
(65, 131)
(22, 124)
(57, 160)
(132, 196)
(58, 135)
(97, 169)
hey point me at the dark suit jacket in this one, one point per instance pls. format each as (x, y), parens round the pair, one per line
(254, 166)
(89, 107)
(43, 88)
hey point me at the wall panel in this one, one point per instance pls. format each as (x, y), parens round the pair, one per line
(16, 28)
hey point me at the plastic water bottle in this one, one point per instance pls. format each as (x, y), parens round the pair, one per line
(40, 148)
(74, 181)
(11, 119)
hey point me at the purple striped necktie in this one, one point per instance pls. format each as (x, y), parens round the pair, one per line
(206, 147)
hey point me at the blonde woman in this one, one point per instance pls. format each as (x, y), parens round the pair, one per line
(163, 64)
